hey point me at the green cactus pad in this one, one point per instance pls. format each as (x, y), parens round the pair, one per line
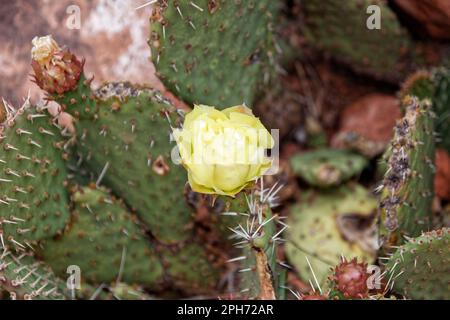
(104, 240)
(250, 281)
(420, 269)
(441, 106)
(330, 225)
(126, 143)
(327, 167)
(33, 198)
(214, 52)
(407, 188)
(24, 278)
(339, 29)
(258, 264)
(189, 268)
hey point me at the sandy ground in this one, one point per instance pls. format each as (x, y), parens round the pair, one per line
(112, 37)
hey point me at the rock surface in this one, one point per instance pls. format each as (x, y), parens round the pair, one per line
(442, 177)
(433, 15)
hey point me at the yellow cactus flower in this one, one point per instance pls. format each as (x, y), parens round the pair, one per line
(223, 151)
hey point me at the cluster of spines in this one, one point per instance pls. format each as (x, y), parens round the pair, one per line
(32, 177)
(257, 236)
(203, 57)
(419, 269)
(23, 278)
(407, 188)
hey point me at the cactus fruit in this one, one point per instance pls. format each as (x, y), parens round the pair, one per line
(105, 241)
(33, 198)
(340, 30)
(213, 52)
(327, 167)
(407, 187)
(330, 225)
(23, 278)
(419, 269)
(349, 279)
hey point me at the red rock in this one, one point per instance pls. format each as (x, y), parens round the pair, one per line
(442, 177)
(370, 121)
(373, 117)
(433, 15)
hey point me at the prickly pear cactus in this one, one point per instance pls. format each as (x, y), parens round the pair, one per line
(330, 225)
(214, 52)
(189, 267)
(33, 198)
(23, 278)
(407, 188)
(123, 139)
(127, 146)
(337, 26)
(419, 269)
(105, 241)
(441, 105)
(349, 280)
(327, 167)
(256, 234)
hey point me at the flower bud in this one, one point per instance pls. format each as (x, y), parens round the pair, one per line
(56, 70)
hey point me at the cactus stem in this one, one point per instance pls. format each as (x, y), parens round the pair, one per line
(267, 291)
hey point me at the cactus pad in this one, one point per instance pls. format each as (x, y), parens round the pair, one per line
(420, 268)
(339, 29)
(319, 230)
(103, 240)
(407, 188)
(441, 105)
(33, 198)
(327, 167)
(213, 52)
(126, 144)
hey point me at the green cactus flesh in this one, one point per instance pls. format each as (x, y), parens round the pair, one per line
(327, 167)
(125, 141)
(339, 29)
(420, 268)
(213, 52)
(260, 275)
(320, 230)
(105, 241)
(23, 278)
(33, 198)
(441, 106)
(407, 188)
